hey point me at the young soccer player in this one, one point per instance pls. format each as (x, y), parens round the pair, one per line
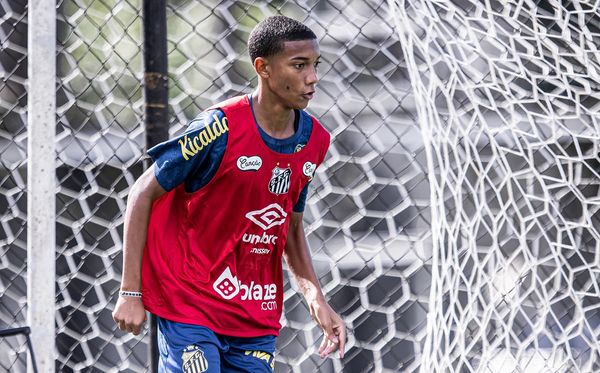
(207, 225)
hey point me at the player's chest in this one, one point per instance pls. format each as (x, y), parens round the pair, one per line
(267, 172)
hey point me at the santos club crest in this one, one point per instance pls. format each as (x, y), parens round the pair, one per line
(280, 180)
(193, 360)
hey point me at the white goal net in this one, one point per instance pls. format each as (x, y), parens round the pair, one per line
(508, 96)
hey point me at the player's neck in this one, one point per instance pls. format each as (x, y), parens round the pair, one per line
(275, 119)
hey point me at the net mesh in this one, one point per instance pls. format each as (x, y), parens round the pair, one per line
(13, 179)
(100, 142)
(507, 99)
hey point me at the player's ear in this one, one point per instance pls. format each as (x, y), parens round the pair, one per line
(262, 67)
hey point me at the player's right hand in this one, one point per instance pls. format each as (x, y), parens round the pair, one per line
(129, 314)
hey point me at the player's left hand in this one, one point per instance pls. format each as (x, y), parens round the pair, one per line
(334, 328)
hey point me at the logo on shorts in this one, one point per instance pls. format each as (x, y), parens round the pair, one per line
(265, 356)
(249, 163)
(280, 180)
(194, 360)
(268, 217)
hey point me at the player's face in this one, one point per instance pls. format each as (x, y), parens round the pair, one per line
(293, 73)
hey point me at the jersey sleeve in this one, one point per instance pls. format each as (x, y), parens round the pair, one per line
(301, 203)
(188, 157)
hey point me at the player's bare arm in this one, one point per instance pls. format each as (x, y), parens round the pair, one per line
(129, 311)
(297, 256)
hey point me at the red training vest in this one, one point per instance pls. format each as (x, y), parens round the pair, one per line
(213, 257)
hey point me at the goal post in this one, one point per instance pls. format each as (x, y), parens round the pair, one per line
(41, 186)
(507, 101)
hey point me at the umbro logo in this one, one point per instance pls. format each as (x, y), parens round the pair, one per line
(268, 217)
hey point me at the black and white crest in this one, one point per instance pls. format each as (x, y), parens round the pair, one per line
(193, 360)
(280, 181)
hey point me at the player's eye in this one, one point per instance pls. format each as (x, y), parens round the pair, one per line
(299, 66)
(317, 64)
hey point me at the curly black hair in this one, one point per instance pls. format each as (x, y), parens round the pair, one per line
(267, 38)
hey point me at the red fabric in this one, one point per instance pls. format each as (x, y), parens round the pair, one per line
(213, 257)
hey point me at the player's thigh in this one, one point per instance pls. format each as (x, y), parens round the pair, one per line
(248, 361)
(178, 355)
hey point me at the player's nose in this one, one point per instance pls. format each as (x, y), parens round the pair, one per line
(311, 76)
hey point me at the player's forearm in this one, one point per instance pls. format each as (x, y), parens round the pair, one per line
(297, 256)
(136, 227)
(137, 216)
(308, 284)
